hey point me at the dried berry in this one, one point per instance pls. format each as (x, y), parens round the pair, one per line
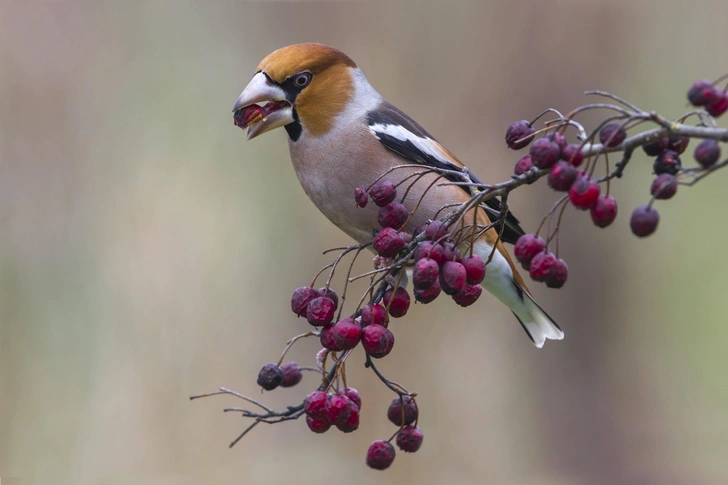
(612, 134)
(707, 153)
(360, 197)
(542, 265)
(425, 273)
(330, 294)
(664, 186)
(558, 274)
(388, 242)
(402, 411)
(544, 153)
(427, 249)
(528, 246)
(377, 341)
(644, 220)
(301, 298)
(604, 211)
(452, 277)
(409, 439)
(326, 337)
(380, 455)
(383, 192)
(291, 374)
(656, 147)
(667, 162)
(392, 215)
(702, 92)
(562, 175)
(315, 405)
(519, 134)
(436, 230)
(584, 192)
(397, 302)
(351, 423)
(320, 311)
(572, 154)
(474, 268)
(468, 296)
(523, 165)
(270, 377)
(353, 395)
(317, 425)
(429, 294)
(347, 334)
(374, 314)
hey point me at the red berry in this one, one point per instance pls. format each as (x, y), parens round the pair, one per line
(544, 153)
(558, 274)
(612, 134)
(425, 273)
(351, 423)
(361, 197)
(450, 252)
(559, 139)
(320, 311)
(347, 334)
(409, 439)
(474, 268)
(562, 175)
(667, 162)
(452, 277)
(402, 411)
(436, 230)
(383, 192)
(380, 455)
(301, 298)
(528, 246)
(388, 242)
(326, 337)
(656, 147)
(338, 408)
(374, 315)
(644, 220)
(315, 404)
(584, 192)
(270, 377)
(707, 153)
(353, 395)
(427, 249)
(523, 165)
(541, 266)
(664, 186)
(572, 154)
(702, 93)
(317, 425)
(392, 215)
(429, 294)
(377, 341)
(397, 304)
(519, 134)
(330, 294)
(719, 106)
(604, 211)
(291, 374)
(468, 296)
(678, 144)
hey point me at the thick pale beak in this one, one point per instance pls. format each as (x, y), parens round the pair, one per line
(260, 91)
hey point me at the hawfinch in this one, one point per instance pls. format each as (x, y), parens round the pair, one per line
(342, 134)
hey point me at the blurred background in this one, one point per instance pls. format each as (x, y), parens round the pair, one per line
(148, 253)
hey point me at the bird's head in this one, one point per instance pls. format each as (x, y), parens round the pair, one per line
(301, 87)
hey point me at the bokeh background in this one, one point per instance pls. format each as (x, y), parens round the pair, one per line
(147, 252)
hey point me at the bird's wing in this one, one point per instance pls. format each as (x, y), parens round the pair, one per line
(404, 136)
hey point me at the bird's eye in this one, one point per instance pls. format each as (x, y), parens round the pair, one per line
(301, 80)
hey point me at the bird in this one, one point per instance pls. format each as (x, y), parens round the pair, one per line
(343, 134)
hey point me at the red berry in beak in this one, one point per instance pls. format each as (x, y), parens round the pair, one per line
(374, 315)
(428, 294)
(380, 455)
(377, 341)
(360, 197)
(409, 439)
(398, 302)
(667, 162)
(452, 277)
(320, 311)
(664, 186)
(392, 215)
(644, 221)
(388, 242)
(425, 273)
(402, 411)
(604, 211)
(474, 269)
(558, 274)
(383, 192)
(584, 192)
(523, 165)
(544, 153)
(561, 176)
(291, 374)
(270, 377)
(612, 134)
(572, 154)
(519, 134)
(542, 265)
(707, 153)
(301, 298)
(468, 296)
(702, 93)
(347, 334)
(528, 246)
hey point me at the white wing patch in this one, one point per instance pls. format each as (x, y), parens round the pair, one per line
(427, 146)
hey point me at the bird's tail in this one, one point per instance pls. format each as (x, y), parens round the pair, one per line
(537, 323)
